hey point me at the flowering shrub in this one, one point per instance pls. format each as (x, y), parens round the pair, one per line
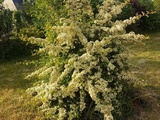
(86, 61)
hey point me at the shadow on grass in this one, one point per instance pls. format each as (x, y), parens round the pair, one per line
(146, 103)
(12, 74)
(146, 69)
(15, 102)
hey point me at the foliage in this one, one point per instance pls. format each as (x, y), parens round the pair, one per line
(56, 8)
(157, 5)
(10, 44)
(148, 4)
(146, 23)
(1, 1)
(37, 9)
(14, 48)
(156, 17)
(5, 21)
(150, 23)
(85, 61)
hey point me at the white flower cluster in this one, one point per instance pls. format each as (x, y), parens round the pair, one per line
(109, 9)
(77, 9)
(84, 60)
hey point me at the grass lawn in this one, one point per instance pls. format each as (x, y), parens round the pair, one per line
(145, 62)
(14, 105)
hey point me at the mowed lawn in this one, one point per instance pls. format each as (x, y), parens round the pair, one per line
(15, 104)
(145, 67)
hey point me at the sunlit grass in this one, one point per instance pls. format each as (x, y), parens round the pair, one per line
(145, 66)
(146, 61)
(15, 104)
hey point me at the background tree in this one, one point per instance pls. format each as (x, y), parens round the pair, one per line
(11, 46)
(157, 5)
(45, 12)
(147, 23)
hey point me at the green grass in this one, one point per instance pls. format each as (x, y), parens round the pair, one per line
(145, 63)
(15, 104)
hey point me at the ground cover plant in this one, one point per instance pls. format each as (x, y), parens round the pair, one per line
(85, 69)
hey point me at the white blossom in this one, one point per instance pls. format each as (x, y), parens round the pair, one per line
(84, 68)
